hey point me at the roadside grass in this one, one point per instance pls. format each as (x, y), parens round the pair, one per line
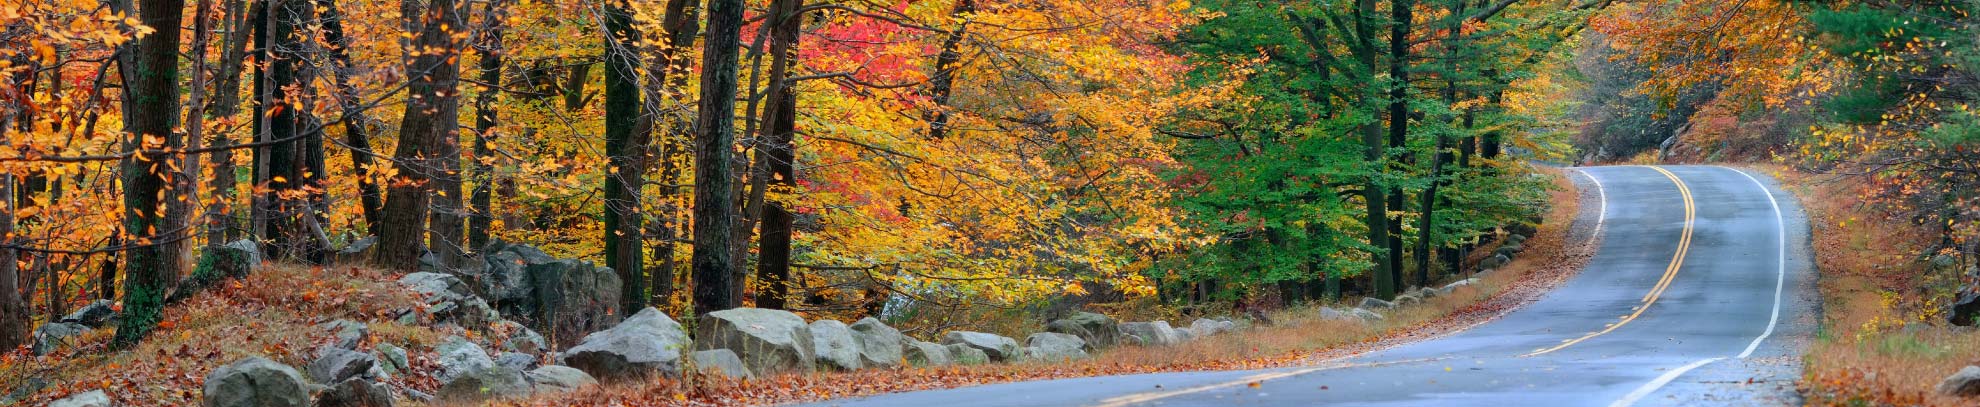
(271, 313)
(1298, 338)
(1882, 339)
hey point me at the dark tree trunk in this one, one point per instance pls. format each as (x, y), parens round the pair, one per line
(430, 120)
(625, 148)
(153, 89)
(774, 159)
(682, 28)
(220, 224)
(490, 65)
(13, 304)
(1399, 26)
(1428, 202)
(185, 178)
(1376, 153)
(943, 83)
(357, 135)
(288, 160)
(715, 212)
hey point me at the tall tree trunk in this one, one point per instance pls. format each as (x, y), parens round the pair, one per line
(287, 160)
(431, 117)
(682, 28)
(154, 92)
(715, 212)
(185, 177)
(13, 304)
(1428, 202)
(220, 224)
(357, 134)
(1376, 153)
(490, 47)
(1399, 26)
(774, 159)
(943, 83)
(625, 148)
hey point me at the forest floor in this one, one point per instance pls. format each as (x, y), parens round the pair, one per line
(273, 312)
(1883, 339)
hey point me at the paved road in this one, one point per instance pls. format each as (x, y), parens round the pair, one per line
(1700, 294)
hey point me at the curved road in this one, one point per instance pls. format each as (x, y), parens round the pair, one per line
(1700, 294)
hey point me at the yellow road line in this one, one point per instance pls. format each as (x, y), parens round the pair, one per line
(1670, 272)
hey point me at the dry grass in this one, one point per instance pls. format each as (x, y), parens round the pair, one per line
(1881, 341)
(270, 314)
(1299, 338)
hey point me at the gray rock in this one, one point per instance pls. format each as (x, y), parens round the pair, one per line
(449, 300)
(1427, 293)
(558, 379)
(1965, 383)
(1516, 238)
(1405, 300)
(93, 398)
(769, 341)
(921, 353)
(720, 361)
(518, 361)
(95, 315)
(1333, 314)
(1366, 315)
(53, 336)
(1205, 327)
(1453, 286)
(966, 355)
(998, 347)
(459, 357)
(1494, 262)
(565, 298)
(1376, 303)
(1157, 333)
(356, 392)
(520, 338)
(486, 383)
(834, 346)
(250, 252)
(336, 364)
(1053, 346)
(349, 333)
(1965, 309)
(392, 358)
(357, 252)
(1509, 250)
(1184, 335)
(647, 344)
(255, 382)
(1099, 331)
(879, 345)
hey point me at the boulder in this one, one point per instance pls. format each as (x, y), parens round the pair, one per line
(1205, 327)
(459, 357)
(255, 382)
(1376, 303)
(879, 345)
(520, 338)
(557, 379)
(491, 382)
(357, 252)
(564, 298)
(1453, 286)
(1184, 335)
(833, 345)
(769, 341)
(391, 358)
(518, 361)
(250, 255)
(647, 344)
(1964, 310)
(1965, 383)
(356, 392)
(1333, 314)
(1494, 262)
(1426, 293)
(1516, 238)
(93, 398)
(921, 353)
(966, 355)
(720, 361)
(95, 315)
(1157, 333)
(1509, 250)
(52, 336)
(1053, 347)
(1366, 315)
(1099, 331)
(349, 333)
(1405, 300)
(449, 300)
(335, 364)
(998, 347)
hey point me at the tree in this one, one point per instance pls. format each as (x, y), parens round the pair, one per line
(153, 87)
(488, 43)
(625, 148)
(715, 212)
(775, 158)
(431, 118)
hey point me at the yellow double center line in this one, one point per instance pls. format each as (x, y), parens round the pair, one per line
(1670, 272)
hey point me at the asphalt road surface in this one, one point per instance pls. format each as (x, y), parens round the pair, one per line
(1701, 293)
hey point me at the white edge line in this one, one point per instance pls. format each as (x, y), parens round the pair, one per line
(1653, 385)
(1257, 378)
(1780, 276)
